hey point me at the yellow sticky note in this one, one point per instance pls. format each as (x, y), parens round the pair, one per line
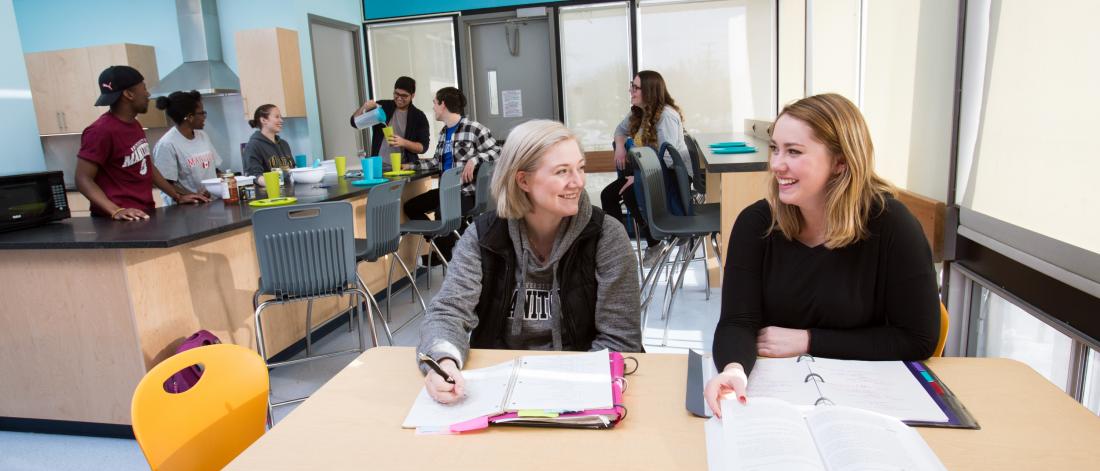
(537, 413)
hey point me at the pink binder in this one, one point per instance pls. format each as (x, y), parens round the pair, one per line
(593, 418)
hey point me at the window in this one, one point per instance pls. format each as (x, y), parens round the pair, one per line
(833, 50)
(421, 49)
(717, 57)
(595, 70)
(1091, 395)
(1005, 330)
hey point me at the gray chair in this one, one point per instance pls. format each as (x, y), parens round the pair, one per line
(447, 220)
(685, 232)
(306, 252)
(483, 197)
(699, 174)
(383, 220)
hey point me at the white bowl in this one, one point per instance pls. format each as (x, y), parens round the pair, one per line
(329, 166)
(307, 174)
(214, 185)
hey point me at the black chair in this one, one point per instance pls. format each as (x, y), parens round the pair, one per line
(685, 232)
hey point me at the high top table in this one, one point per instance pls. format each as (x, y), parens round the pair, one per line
(354, 422)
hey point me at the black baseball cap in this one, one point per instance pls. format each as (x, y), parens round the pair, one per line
(114, 80)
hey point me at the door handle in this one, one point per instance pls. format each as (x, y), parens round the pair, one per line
(64, 122)
(57, 115)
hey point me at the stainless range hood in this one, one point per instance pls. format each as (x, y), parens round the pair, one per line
(201, 43)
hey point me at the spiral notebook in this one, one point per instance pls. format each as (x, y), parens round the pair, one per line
(908, 391)
(581, 390)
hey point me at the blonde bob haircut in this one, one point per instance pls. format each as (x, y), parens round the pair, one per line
(853, 193)
(524, 147)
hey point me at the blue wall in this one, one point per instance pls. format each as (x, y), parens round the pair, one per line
(22, 151)
(62, 24)
(375, 9)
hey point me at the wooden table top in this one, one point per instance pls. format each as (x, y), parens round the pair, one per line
(354, 422)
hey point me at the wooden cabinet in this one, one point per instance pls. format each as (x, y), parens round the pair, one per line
(64, 89)
(270, 66)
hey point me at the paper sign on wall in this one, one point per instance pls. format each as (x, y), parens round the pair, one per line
(513, 103)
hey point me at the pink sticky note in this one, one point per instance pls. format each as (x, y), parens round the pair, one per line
(470, 425)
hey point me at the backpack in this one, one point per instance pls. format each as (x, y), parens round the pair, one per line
(186, 378)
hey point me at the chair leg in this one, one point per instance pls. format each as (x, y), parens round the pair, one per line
(389, 291)
(412, 281)
(358, 314)
(650, 283)
(670, 276)
(419, 243)
(706, 272)
(651, 280)
(668, 306)
(638, 245)
(370, 314)
(309, 327)
(432, 246)
(385, 324)
(263, 353)
(430, 243)
(717, 247)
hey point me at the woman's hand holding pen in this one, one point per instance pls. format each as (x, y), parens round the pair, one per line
(731, 380)
(442, 391)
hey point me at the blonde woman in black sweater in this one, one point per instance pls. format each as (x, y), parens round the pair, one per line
(830, 264)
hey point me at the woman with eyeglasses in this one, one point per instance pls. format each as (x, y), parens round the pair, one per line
(185, 156)
(654, 120)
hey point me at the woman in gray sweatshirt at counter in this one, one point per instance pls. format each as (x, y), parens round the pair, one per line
(545, 271)
(265, 149)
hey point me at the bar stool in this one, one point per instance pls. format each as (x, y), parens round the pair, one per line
(448, 218)
(305, 252)
(383, 220)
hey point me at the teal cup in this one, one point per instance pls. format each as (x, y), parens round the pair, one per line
(372, 168)
(300, 161)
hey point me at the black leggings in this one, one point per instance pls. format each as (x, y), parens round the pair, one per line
(611, 200)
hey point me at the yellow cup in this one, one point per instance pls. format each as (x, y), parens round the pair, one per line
(395, 161)
(271, 182)
(341, 165)
(387, 131)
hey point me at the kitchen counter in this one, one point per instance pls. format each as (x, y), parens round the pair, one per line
(171, 225)
(726, 163)
(81, 326)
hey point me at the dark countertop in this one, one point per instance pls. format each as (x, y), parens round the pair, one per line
(168, 226)
(725, 163)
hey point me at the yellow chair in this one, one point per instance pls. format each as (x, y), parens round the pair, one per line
(945, 321)
(208, 425)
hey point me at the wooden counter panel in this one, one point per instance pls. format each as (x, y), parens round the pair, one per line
(208, 284)
(68, 344)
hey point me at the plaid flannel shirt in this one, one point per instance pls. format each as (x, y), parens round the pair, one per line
(472, 141)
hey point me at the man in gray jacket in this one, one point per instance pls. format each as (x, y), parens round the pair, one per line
(548, 271)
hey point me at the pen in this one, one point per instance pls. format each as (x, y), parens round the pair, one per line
(435, 367)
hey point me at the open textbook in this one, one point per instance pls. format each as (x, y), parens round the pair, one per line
(569, 390)
(771, 434)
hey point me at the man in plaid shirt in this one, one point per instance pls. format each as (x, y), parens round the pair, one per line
(462, 143)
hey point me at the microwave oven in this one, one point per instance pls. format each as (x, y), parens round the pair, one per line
(32, 199)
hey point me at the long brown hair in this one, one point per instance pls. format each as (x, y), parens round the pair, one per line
(852, 194)
(643, 120)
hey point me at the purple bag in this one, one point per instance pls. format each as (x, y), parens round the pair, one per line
(186, 378)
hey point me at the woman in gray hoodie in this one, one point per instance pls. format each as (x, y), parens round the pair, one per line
(265, 149)
(545, 271)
